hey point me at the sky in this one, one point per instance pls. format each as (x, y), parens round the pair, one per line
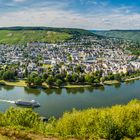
(86, 14)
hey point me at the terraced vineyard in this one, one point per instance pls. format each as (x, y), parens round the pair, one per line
(25, 36)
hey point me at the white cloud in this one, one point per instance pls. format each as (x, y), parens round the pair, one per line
(19, 1)
(58, 17)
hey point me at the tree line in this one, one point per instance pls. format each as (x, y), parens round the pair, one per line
(52, 78)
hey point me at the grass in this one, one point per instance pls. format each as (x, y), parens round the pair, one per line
(4, 137)
(20, 83)
(111, 82)
(25, 36)
(131, 79)
(15, 134)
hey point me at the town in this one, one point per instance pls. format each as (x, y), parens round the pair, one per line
(87, 54)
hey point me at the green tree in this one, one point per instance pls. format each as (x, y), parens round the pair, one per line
(89, 78)
(74, 77)
(29, 81)
(26, 72)
(81, 79)
(117, 77)
(68, 78)
(37, 81)
(44, 77)
(59, 82)
(8, 75)
(79, 69)
(50, 80)
(96, 81)
(70, 58)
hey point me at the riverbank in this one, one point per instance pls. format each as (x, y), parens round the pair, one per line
(111, 82)
(22, 83)
(131, 79)
(18, 83)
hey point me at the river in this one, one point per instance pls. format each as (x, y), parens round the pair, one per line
(56, 101)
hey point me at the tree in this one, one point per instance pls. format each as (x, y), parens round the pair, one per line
(79, 69)
(44, 76)
(74, 77)
(110, 77)
(59, 82)
(70, 58)
(34, 80)
(89, 78)
(29, 81)
(96, 81)
(50, 80)
(8, 75)
(102, 79)
(37, 81)
(26, 72)
(81, 79)
(117, 77)
(68, 78)
(1, 74)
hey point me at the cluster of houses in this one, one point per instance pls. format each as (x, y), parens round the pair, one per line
(106, 55)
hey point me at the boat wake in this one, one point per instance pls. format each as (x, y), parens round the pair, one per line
(7, 101)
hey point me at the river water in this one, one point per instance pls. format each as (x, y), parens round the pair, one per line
(56, 101)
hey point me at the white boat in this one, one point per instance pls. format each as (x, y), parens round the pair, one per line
(31, 103)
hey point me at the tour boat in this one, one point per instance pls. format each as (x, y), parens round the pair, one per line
(32, 103)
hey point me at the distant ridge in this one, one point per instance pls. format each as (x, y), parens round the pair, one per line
(133, 35)
(125, 30)
(33, 28)
(67, 30)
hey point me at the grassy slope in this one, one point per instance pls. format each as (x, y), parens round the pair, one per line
(125, 34)
(13, 134)
(22, 37)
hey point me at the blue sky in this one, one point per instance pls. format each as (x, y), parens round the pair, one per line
(87, 14)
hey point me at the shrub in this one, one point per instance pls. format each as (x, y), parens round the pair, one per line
(109, 123)
(113, 123)
(21, 117)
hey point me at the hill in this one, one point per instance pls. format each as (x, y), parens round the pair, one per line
(23, 35)
(133, 35)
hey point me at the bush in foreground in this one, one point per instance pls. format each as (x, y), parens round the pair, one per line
(109, 123)
(114, 123)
